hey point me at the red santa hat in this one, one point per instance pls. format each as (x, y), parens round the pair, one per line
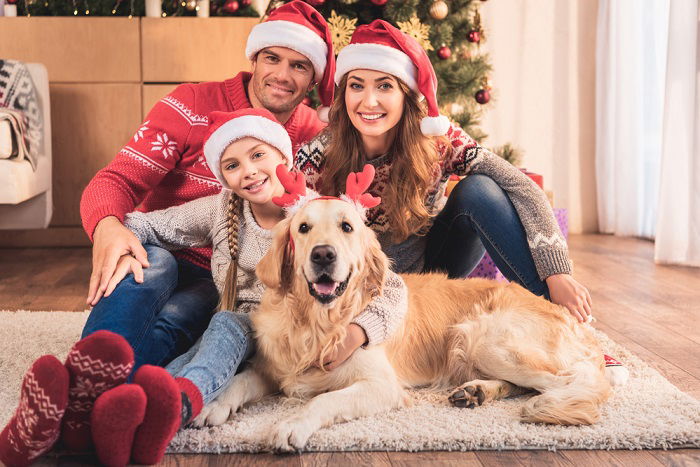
(228, 127)
(298, 26)
(380, 46)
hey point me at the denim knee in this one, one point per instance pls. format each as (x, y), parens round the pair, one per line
(161, 262)
(477, 193)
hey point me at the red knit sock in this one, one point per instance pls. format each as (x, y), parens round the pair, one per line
(115, 418)
(192, 400)
(97, 363)
(36, 424)
(162, 418)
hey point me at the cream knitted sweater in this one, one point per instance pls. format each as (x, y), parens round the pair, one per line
(203, 222)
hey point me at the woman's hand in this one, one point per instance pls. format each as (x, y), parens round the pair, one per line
(564, 290)
(126, 264)
(354, 338)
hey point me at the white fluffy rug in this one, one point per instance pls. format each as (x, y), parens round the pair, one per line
(647, 413)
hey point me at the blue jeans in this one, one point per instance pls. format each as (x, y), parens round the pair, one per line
(214, 360)
(162, 317)
(480, 217)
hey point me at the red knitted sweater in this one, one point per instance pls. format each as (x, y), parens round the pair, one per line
(163, 164)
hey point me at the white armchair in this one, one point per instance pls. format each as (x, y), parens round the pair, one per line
(25, 194)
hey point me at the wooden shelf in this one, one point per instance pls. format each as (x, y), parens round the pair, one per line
(75, 50)
(177, 50)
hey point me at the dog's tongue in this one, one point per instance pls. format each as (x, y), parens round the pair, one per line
(325, 288)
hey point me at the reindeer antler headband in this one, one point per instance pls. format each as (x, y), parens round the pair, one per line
(297, 194)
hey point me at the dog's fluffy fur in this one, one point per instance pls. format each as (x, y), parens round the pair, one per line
(487, 340)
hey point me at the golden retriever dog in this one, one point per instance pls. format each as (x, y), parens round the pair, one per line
(485, 339)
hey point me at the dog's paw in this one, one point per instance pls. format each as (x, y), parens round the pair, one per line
(291, 435)
(213, 414)
(468, 396)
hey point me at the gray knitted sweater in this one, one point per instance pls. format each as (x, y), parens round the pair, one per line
(203, 222)
(463, 156)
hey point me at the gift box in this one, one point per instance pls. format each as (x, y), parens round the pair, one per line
(487, 268)
(562, 217)
(537, 178)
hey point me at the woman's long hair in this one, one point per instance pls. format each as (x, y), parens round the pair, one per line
(414, 159)
(234, 211)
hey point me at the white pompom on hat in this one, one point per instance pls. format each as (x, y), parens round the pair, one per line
(381, 47)
(228, 127)
(298, 26)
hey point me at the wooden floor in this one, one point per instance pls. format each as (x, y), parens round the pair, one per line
(652, 310)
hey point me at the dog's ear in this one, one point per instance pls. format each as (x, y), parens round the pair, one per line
(377, 265)
(275, 268)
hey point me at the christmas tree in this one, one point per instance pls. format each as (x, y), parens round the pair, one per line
(451, 33)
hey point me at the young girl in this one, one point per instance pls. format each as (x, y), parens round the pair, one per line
(242, 149)
(377, 117)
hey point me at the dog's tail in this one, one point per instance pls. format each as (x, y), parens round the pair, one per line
(576, 402)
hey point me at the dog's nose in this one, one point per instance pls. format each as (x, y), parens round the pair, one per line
(323, 255)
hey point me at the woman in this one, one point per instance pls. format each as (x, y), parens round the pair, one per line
(378, 117)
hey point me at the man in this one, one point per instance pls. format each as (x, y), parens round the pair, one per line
(163, 313)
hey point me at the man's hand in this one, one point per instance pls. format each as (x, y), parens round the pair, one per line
(566, 291)
(354, 338)
(111, 241)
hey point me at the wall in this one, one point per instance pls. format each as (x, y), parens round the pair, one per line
(543, 53)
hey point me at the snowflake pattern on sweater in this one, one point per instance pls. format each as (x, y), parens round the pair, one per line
(163, 164)
(462, 156)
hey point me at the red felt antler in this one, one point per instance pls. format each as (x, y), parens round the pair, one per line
(294, 184)
(356, 185)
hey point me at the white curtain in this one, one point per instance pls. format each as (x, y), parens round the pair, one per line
(678, 226)
(630, 70)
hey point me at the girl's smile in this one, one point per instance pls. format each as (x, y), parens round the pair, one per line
(248, 166)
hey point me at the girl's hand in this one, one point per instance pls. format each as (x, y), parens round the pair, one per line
(354, 338)
(126, 264)
(564, 290)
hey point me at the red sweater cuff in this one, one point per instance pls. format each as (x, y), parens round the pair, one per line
(98, 213)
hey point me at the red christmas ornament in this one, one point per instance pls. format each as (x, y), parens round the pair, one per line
(315, 2)
(379, 2)
(482, 96)
(11, 2)
(306, 100)
(444, 52)
(244, 3)
(474, 36)
(231, 6)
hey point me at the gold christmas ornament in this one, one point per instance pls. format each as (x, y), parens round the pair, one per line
(439, 10)
(191, 5)
(417, 30)
(341, 28)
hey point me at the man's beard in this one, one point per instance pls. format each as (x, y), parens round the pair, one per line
(273, 105)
